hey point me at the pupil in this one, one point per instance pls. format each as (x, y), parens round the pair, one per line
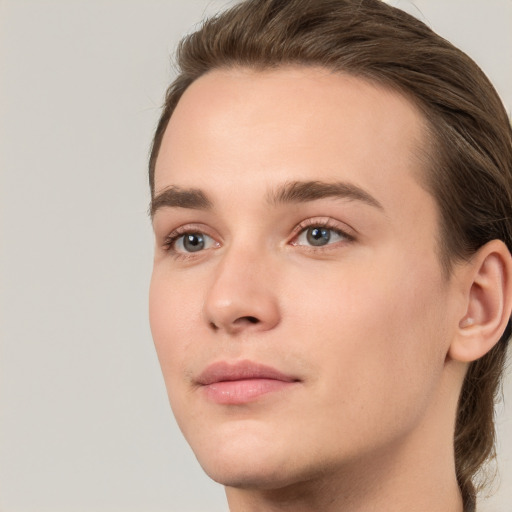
(193, 242)
(318, 236)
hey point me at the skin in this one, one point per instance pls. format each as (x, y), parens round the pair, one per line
(365, 324)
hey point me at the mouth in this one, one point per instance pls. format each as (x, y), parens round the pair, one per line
(242, 382)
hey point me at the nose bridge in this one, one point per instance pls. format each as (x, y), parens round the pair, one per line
(241, 295)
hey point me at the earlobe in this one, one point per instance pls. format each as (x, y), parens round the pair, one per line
(488, 283)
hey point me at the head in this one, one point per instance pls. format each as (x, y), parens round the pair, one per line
(462, 152)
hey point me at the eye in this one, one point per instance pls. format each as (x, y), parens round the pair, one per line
(190, 242)
(318, 236)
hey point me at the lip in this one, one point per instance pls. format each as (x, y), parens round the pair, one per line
(242, 382)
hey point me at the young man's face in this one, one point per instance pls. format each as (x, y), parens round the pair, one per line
(298, 306)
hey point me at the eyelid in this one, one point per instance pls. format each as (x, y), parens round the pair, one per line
(348, 233)
(171, 238)
(324, 222)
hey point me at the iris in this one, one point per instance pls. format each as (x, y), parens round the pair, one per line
(193, 242)
(318, 236)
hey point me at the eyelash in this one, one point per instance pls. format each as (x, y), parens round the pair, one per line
(174, 236)
(323, 223)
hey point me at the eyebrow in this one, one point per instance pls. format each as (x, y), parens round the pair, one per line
(176, 197)
(291, 192)
(305, 191)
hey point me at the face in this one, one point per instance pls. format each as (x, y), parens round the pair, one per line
(297, 303)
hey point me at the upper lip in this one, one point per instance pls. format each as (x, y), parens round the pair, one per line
(242, 370)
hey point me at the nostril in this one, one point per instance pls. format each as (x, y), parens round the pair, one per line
(240, 322)
(247, 319)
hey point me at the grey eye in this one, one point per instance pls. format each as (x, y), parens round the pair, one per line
(318, 236)
(193, 242)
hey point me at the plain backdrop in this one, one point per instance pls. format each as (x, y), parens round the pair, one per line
(84, 419)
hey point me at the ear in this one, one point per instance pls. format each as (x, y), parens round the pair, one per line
(488, 298)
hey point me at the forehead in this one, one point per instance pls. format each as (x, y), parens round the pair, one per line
(236, 128)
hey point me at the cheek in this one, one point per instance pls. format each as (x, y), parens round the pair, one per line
(377, 336)
(174, 321)
(172, 313)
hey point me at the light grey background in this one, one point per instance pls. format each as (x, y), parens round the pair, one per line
(84, 420)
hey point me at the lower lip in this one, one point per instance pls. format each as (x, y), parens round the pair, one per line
(238, 392)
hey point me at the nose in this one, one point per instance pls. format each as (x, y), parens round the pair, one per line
(242, 295)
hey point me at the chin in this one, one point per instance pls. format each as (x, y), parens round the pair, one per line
(244, 474)
(245, 478)
(248, 465)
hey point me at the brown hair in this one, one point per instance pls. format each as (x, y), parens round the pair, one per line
(469, 147)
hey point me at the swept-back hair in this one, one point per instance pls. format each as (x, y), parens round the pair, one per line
(468, 163)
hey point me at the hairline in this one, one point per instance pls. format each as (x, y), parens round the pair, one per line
(424, 149)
